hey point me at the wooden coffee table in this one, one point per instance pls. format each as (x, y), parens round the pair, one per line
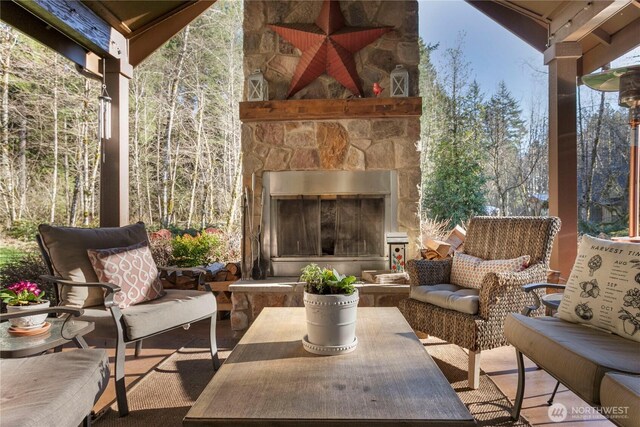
(269, 379)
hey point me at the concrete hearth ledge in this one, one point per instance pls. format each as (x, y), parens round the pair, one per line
(291, 284)
(249, 297)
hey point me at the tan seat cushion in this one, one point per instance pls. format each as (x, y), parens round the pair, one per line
(620, 396)
(451, 297)
(67, 250)
(176, 308)
(56, 389)
(579, 356)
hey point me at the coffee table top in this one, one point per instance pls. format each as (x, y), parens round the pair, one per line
(270, 378)
(11, 346)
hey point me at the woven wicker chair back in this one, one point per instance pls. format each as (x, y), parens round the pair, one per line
(510, 237)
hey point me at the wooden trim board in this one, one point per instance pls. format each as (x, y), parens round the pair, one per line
(325, 109)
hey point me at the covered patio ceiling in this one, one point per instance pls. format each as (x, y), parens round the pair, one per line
(575, 38)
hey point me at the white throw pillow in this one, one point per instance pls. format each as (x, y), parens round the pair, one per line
(469, 271)
(603, 289)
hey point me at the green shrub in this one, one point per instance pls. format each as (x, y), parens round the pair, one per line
(23, 230)
(190, 251)
(27, 268)
(10, 254)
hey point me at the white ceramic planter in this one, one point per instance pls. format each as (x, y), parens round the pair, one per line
(331, 323)
(28, 322)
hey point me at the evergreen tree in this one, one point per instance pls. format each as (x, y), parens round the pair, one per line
(505, 132)
(454, 185)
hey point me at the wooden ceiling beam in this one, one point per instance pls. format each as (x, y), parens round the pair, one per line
(105, 13)
(582, 17)
(25, 22)
(602, 36)
(621, 42)
(79, 23)
(144, 42)
(530, 30)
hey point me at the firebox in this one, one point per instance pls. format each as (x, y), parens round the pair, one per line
(331, 218)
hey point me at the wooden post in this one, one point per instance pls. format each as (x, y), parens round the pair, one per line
(114, 171)
(562, 59)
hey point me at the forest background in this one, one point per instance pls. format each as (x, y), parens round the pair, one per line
(480, 152)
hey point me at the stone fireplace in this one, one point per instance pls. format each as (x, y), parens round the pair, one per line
(331, 174)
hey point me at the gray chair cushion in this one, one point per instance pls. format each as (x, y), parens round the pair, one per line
(451, 297)
(176, 308)
(578, 355)
(56, 389)
(622, 391)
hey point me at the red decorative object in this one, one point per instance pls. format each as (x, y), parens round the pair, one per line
(328, 47)
(377, 90)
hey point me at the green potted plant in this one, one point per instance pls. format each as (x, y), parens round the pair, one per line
(23, 297)
(331, 302)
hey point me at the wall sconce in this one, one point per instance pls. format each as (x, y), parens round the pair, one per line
(258, 89)
(399, 82)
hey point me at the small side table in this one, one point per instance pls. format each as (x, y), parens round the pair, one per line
(13, 347)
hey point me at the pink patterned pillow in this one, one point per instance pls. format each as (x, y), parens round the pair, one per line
(132, 268)
(468, 271)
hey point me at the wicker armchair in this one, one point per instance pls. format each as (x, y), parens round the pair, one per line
(488, 238)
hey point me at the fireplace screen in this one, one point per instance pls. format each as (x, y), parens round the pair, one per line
(330, 226)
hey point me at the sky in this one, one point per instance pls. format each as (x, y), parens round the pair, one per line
(493, 52)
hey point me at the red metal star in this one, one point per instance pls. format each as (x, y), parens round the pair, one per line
(328, 47)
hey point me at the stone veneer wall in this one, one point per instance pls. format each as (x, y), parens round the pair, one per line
(340, 144)
(277, 58)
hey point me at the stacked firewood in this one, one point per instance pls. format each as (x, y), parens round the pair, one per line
(195, 277)
(439, 249)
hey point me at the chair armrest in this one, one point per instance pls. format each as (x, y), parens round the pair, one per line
(69, 310)
(502, 292)
(537, 303)
(530, 287)
(109, 288)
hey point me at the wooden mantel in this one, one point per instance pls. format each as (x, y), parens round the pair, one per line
(327, 109)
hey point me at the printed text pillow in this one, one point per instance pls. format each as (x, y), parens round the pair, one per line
(468, 271)
(132, 268)
(603, 289)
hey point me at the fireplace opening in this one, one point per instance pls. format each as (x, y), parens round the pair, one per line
(331, 218)
(330, 226)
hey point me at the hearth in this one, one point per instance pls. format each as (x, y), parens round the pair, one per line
(335, 218)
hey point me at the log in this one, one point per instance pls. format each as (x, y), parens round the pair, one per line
(233, 268)
(438, 246)
(456, 239)
(221, 276)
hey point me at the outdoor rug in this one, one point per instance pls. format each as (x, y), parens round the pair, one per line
(163, 397)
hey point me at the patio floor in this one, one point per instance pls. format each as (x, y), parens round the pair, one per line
(499, 364)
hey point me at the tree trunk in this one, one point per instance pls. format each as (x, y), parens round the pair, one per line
(173, 96)
(588, 196)
(198, 154)
(136, 146)
(54, 173)
(22, 168)
(7, 183)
